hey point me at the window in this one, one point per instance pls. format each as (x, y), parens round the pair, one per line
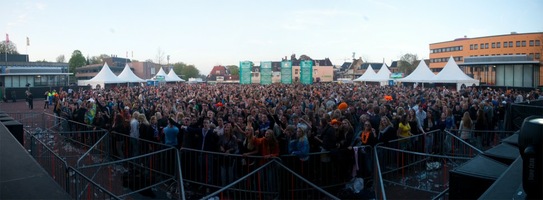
(498, 45)
(531, 43)
(471, 47)
(482, 45)
(475, 46)
(461, 48)
(523, 43)
(537, 55)
(518, 44)
(505, 45)
(537, 43)
(510, 43)
(493, 45)
(486, 45)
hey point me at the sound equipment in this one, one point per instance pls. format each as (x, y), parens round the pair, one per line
(530, 147)
(472, 179)
(16, 129)
(504, 153)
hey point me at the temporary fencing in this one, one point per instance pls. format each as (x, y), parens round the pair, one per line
(142, 166)
(419, 165)
(480, 140)
(272, 180)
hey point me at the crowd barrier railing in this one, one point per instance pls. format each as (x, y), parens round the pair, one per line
(482, 140)
(68, 178)
(143, 166)
(273, 180)
(378, 186)
(421, 162)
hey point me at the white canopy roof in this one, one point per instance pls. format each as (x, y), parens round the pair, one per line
(160, 72)
(421, 74)
(128, 76)
(382, 75)
(367, 75)
(172, 77)
(451, 73)
(105, 76)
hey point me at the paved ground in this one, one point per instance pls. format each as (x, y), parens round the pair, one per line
(20, 107)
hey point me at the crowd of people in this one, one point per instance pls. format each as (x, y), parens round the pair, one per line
(275, 120)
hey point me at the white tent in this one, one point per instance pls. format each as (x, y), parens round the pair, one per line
(382, 76)
(172, 77)
(367, 75)
(451, 73)
(105, 76)
(160, 73)
(421, 74)
(128, 76)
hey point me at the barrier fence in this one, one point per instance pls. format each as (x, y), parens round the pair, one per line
(418, 166)
(91, 163)
(142, 166)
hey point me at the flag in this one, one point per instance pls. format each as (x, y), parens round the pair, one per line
(7, 38)
(27, 41)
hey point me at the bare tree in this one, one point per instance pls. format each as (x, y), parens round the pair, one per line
(160, 56)
(61, 59)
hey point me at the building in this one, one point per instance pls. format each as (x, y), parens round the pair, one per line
(507, 46)
(17, 74)
(323, 71)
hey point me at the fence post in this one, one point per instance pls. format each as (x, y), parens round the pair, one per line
(67, 174)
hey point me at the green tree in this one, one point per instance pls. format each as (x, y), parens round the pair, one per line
(190, 71)
(10, 47)
(408, 63)
(233, 69)
(77, 60)
(178, 68)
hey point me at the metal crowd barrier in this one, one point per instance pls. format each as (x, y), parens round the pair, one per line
(145, 167)
(482, 140)
(42, 149)
(419, 165)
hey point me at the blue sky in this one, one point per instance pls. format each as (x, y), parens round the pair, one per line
(207, 33)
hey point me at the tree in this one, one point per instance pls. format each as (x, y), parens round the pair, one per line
(77, 60)
(234, 70)
(178, 68)
(61, 59)
(160, 56)
(408, 63)
(10, 47)
(98, 59)
(190, 71)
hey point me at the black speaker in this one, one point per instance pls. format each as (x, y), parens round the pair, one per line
(512, 140)
(6, 118)
(530, 148)
(473, 178)
(504, 153)
(16, 129)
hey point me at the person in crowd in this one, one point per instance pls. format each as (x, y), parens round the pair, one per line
(404, 131)
(299, 147)
(465, 128)
(170, 133)
(228, 144)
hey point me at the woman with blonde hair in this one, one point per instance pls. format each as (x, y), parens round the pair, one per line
(466, 127)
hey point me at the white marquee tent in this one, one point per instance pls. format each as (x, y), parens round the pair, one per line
(128, 76)
(382, 76)
(451, 73)
(421, 74)
(160, 73)
(367, 75)
(172, 77)
(105, 76)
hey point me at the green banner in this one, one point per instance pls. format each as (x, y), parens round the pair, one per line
(160, 78)
(245, 69)
(286, 72)
(306, 72)
(265, 73)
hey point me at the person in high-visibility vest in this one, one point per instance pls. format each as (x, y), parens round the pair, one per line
(50, 98)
